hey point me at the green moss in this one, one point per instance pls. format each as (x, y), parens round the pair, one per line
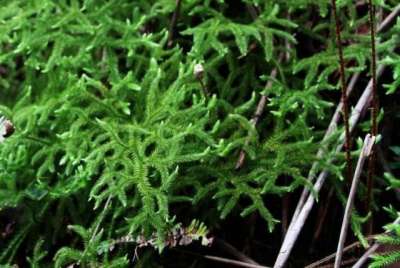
(113, 128)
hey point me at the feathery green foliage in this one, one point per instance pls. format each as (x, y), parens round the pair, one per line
(393, 238)
(114, 131)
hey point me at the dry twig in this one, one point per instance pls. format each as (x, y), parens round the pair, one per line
(233, 262)
(330, 257)
(233, 251)
(365, 153)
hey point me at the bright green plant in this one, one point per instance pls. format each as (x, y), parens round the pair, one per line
(114, 131)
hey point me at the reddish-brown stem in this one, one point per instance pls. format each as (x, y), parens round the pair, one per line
(344, 93)
(172, 26)
(374, 114)
(285, 214)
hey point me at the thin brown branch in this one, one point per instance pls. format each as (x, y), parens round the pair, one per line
(374, 114)
(285, 213)
(256, 117)
(173, 23)
(233, 251)
(233, 262)
(254, 12)
(347, 138)
(222, 260)
(344, 263)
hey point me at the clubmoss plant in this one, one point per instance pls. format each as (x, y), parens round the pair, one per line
(118, 135)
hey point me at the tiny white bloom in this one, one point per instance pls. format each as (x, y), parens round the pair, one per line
(198, 70)
(6, 128)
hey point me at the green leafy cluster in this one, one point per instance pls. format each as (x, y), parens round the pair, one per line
(115, 135)
(392, 239)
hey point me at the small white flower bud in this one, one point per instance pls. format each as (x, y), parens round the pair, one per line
(198, 70)
(6, 128)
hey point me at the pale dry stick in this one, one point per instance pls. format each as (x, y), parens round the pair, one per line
(389, 18)
(365, 152)
(370, 251)
(298, 223)
(336, 116)
(352, 246)
(256, 117)
(233, 251)
(233, 262)
(366, 255)
(344, 263)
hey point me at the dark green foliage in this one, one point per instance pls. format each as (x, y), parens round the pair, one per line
(113, 129)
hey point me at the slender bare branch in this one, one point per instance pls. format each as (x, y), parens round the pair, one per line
(174, 20)
(256, 117)
(330, 257)
(365, 152)
(233, 262)
(389, 18)
(345, 110)
(233, 251)
(366, 255)
(374, 114)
